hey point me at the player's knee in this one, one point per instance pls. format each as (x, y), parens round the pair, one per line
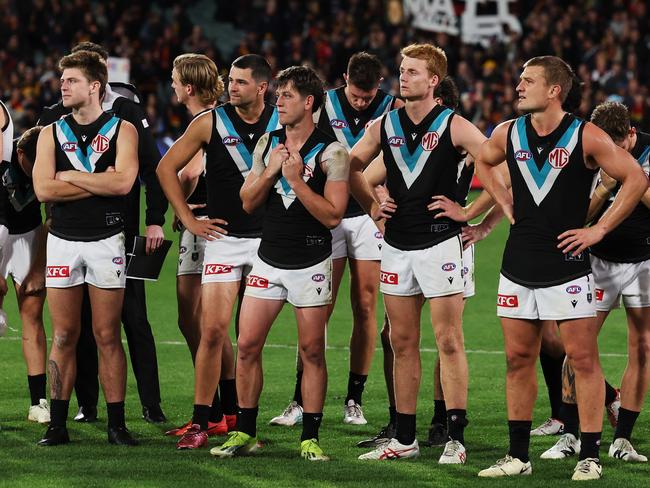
(313, 353)
(64, 340)
(583, 362)
(248, 349)
(642, 350)
(449, 342)
(213, 337)
(519, 359)
(363, 309)
(107, 337)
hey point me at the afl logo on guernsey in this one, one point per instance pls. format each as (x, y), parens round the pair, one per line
(523, 155)
(396, 141)
(573, 289)
(231, 140)
(558, 158)
(318, 277)
(118, 260)
(69, 146)
(448, 267)
(429, 141)
(100, 144)
(338, 124)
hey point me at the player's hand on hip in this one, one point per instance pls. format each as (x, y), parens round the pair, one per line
(293, 168)
(447, 208)
(34, 283)
(155, 237)
(279, 154)
(209, 229)
(471, 234)
(576, 241)
(384, 210)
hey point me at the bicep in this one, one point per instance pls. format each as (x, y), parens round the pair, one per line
(44, 166)
(466, 136)
(367, 148)
(126, 159)
(337, 193)
(195, 167)
(375, 173)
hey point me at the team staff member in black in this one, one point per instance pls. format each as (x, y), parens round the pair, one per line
(300, 176)
(122, 100)
(86, 164)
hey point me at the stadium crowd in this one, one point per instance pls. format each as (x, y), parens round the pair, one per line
(604, 42)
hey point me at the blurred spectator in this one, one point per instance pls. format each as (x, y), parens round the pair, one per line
(607, 44)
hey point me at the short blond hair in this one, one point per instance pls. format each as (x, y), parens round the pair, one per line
(201, 73)
(434, 56)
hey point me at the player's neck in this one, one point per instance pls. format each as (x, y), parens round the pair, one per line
(417, 110)
(251, 113)
(297, 134)
(195, 106)
(547, 121)
(87, 114)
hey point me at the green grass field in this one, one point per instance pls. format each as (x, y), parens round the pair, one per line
(90, 461)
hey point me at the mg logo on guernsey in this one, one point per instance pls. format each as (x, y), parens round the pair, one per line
(338, 124)
(69, 146)
(257, 281)
(523, 155)
(388, 278)
(231, 140)
(558, 158)
(430, 141)
(58, 271)
(100, 144)
(508, 301)
(396, 141)
(213, 269)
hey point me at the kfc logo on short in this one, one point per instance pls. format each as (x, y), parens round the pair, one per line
(558, 158)
(388, 278)
(600, 294)
(58, 271)
(257, 281)
(338, 124)
(523, 155)
(100, 144)
(69, 146)
(213, 269)
(429, 141)
(396, 141)
(508, 301)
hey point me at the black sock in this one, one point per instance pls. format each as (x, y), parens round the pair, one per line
(626, 420)
(569, 415)
(216, 414)
(247, 420)
(356, 384)
(37, 384)
(59, 412)
(439, 412)
(457, 421)
(610, 393)
(392, 415)
(310, 425)
(405, 428)
(589, 445)
(519, 431)
(201, 416)
(297, 393)
(115, 412)
(552, 369)
(228, 396)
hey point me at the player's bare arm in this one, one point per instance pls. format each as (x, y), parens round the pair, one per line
(111, 183)
(261, 179)
(196, 135)
(329, 208)
(189, 175)
(47, 188)
(491, 155)
(600, 151)
(361, 156)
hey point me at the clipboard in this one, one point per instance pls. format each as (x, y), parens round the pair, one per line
(143, 266)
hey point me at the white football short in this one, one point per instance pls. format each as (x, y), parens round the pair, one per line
(357, 238)
(468, 272)
(306, 287)
(571, 300)
(436, 271)
(228, 259)
(615, 280)
(18, 253)
(98, 263)
(191, 250)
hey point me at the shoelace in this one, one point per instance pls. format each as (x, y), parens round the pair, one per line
(288, 410)
(452, 449)
(546, 424)
(502, 461)
(355, 410)
(583, 466)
